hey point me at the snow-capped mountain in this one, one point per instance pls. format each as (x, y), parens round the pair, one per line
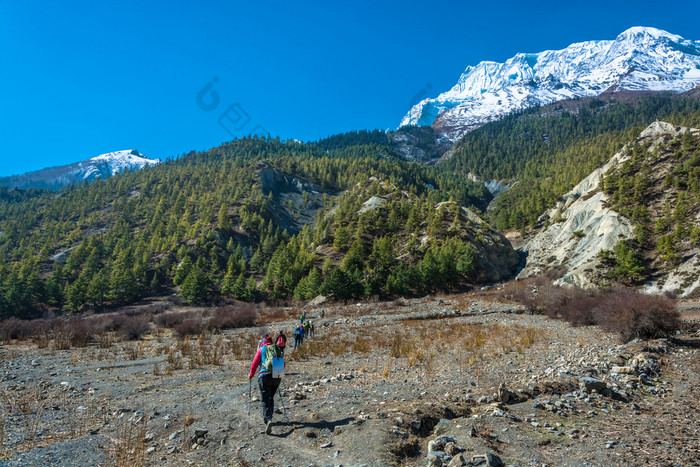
(102, 166)
(639, 59)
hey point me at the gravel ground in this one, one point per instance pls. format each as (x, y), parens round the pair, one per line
(377, 383)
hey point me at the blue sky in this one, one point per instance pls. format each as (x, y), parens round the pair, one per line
(84, 78)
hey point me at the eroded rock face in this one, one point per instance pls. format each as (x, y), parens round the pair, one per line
(288, 190)
(582, 225)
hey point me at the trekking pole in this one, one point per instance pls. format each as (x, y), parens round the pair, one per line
(250, 387)
(285, 409)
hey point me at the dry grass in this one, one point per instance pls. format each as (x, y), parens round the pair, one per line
(23, 414)
(244, 345)
(174, 361)
(27, 406)
(267, 314)
(134, 351)
(128, 448)
(205, 352)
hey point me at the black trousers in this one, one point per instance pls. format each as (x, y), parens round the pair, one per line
(268, 388)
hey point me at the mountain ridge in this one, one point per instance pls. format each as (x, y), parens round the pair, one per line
(102, 166)
(640, 58)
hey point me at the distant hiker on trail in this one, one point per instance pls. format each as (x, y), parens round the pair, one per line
(303, 317)
(297, 337)
(281, 340)
(311, 329)
(269, 359)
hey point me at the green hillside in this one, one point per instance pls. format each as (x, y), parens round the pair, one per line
(546, 151)
(658, 188)
(205, 225)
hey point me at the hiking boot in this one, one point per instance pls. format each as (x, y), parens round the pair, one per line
(268, 428)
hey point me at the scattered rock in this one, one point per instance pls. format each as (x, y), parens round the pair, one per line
(487, 460)
(451, 449)
(441, 427)
(438, 444)
(435, 461)
(506, 396)
(589, 384)
(459, 460)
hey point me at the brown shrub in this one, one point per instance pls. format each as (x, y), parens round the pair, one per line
(189, 327)
(232, 317)
(579, 312)
(175, 300)
(71, 332)
(156, 308)
(129, 327)
(132, 327)
(551, 298)
(17, 329)
(80, 331)
(518, 291)
(270, 314)
(102, 323)
(635, 315)
(172, 319)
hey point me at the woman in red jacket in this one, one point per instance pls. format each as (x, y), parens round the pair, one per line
(268, 384)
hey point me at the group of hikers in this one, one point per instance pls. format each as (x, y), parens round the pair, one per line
(269, 357)
(305, 329)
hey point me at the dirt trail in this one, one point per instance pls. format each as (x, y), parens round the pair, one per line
(377, 383)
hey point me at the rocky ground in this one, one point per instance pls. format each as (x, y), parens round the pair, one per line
(457, 380)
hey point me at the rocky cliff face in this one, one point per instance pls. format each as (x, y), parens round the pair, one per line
(583, 224)
(295, 202)
(495, 256)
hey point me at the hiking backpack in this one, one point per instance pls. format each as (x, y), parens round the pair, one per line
(274, 363)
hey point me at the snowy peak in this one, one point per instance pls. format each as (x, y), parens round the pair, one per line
(639, 59)
(115, 162)
(102, 166)
(649, 32)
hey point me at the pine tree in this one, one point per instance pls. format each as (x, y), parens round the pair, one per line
(224, 220)
(97, 289)
(183, 270)
(194, 287)
(76, 295)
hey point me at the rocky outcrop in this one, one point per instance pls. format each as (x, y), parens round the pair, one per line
(582, 224)
(496, 258)
(582, 227)
(295, 202)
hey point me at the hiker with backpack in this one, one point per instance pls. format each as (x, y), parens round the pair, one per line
(271, 363)
(297, 336)
(281, 341)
